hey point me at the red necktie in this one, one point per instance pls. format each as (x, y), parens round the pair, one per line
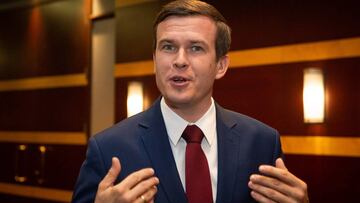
(197, 175)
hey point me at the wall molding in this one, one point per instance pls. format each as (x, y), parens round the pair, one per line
(36, 192)
(291, 144)
(44, 82)
(321, 145)
(41, 137)
(133, 69)
(293, 53)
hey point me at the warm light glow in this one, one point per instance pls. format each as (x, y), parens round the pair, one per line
(134, 98)
(42, 149)
(313, 96)
(22, 147)
(20, 179)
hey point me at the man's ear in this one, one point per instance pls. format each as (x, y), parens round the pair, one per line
(222, 66)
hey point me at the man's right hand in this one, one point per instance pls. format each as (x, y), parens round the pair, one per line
(138, 187)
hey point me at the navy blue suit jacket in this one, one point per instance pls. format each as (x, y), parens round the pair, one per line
(142, 141)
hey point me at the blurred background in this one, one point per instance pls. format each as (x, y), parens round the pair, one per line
(70, 68)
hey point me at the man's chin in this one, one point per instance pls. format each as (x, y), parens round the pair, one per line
(177, 102)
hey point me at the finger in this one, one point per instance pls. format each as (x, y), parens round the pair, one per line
(266, 193)
(144, 186)
(260, 198)
(134, 178)
(148, 196)
(111, 176)
(272, 183)
(281, 174)
(279, 163)
(299, 189)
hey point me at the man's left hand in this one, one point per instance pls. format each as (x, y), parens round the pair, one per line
(277, 184)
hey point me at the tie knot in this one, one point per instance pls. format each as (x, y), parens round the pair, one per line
(193, 134)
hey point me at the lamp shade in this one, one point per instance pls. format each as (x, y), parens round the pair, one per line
(314, 96)
(134, 98)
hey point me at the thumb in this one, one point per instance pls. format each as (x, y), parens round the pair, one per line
(279, 163)
(113, 173)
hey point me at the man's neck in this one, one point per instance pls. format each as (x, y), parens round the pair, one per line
(191, 112)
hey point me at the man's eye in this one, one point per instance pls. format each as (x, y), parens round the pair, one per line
(168, 47)
(196, 48)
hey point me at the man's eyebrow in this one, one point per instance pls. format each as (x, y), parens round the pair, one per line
(166, 41)
(199, 42)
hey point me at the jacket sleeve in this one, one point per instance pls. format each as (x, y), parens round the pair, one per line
(277, 148)
(91, 173)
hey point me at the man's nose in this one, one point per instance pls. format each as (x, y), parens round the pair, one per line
(181, 60)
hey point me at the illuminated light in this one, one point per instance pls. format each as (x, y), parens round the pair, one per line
(20, 179)
(22, 147)
(135, 98)
(42, 149)
(314, 96)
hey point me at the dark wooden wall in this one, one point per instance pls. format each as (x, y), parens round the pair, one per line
(52, 39)
(272, 93)
(44, 39)
(38, 41)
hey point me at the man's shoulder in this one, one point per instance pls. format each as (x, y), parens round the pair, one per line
(129, 131)
(126, 128)
(242, 121)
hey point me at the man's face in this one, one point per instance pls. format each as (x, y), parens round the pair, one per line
(185, 61)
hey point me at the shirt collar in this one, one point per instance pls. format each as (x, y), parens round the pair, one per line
(175, 125)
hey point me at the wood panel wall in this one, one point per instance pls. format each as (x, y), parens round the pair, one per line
(44, 98)
(272, 92)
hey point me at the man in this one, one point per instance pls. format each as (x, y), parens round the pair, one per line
(190, 53)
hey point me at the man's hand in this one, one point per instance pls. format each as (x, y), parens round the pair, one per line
(277, 184)
(138, 187)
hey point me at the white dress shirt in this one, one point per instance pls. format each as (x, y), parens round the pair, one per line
(175, 126)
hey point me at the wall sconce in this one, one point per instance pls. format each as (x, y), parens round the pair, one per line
(134, 98)
(314, 96)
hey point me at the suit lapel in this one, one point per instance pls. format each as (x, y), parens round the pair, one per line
(157, 145)
(228, 152)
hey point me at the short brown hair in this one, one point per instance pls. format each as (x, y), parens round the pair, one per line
(193, 8)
